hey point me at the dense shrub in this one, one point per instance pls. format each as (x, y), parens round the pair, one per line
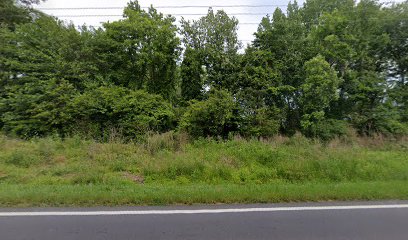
(37, 108)
(132, 113)
(262, 123)
(327, 130)
(211, 117)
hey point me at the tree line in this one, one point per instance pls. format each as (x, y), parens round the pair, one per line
(321, 69)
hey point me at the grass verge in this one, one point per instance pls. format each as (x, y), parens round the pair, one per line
(99, 195)
(77, 172)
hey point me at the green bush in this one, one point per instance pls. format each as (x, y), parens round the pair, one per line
(331, 129)
(116, 110)
(213, 117)
(263, 123)
(379, 120)
(324, 129)
(37, 108)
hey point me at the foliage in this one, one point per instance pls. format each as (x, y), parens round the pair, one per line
(284, 38)
(319, 68)
(259, 90)
(141, 50)
(192, 75)
(13, 12)
(318, 91)
(397, 30)
(211, 117)
(320, 85)
(37, 108)
(211, 42)
(133, 113)
(297, 160)
(263, 123)
(43, 68)
(45, 49)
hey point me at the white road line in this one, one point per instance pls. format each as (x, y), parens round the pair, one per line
(199, 211)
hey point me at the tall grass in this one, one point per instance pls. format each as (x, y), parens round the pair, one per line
(169, 168)
(170, 158)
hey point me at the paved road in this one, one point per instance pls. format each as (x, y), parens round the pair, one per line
(384, 220)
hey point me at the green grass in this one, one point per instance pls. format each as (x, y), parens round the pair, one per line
(167, 169)
(12, 195)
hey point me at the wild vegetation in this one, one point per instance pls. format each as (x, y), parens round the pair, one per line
(318, 69)
(145, 111)
(170, 169)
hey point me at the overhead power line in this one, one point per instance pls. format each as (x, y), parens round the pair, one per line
(249, 23)
(186, 6)
(198, 14)
(201, 14)
(177, 14)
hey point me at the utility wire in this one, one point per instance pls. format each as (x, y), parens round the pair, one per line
(157, 7)
(203, 14)
(177, 14)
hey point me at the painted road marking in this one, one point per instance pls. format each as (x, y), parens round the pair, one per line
(199, 211)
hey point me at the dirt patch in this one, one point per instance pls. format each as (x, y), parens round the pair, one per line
(3, 175)
(229, 161)
(60, 159)
(135, 178)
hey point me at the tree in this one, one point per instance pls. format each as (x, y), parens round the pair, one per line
(47, 63)
(318, 91)
(192, 75)
(211, 42)
(37, 108)
(259, 92)
(354, 41)
(14, 12)
(314, 9)
(397, 29)
(45, 49)
(43, 68)
(319, 69)
(142, 50)
(285, 38)
(320, 86)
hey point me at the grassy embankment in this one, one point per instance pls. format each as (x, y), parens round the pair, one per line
(165, 170)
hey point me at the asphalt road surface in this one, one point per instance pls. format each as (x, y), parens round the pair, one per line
(328, 221)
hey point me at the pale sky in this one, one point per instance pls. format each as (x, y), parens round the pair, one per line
(248, 23)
